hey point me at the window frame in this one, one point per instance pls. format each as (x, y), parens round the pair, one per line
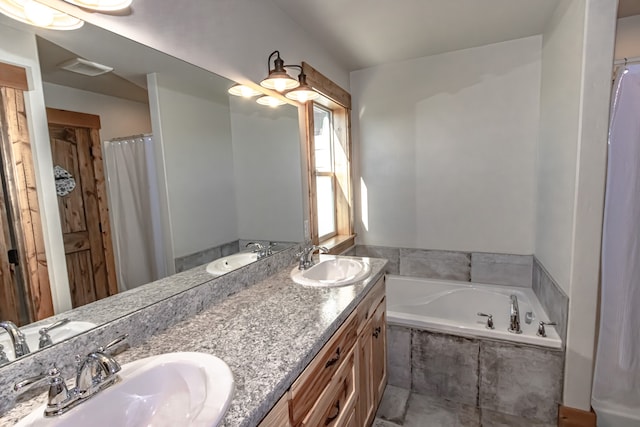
(338, 101)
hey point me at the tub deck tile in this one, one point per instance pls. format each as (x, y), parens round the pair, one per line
(500, 269)
(399, 356)
(445, 366)
(447, 265)
(519, 380)
(389, 253)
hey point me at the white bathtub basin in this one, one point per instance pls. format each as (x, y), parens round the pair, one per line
(452, 307)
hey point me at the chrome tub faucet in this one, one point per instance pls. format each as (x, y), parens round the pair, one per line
(514, 316)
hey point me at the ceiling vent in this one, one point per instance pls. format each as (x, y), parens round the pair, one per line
(87, 68)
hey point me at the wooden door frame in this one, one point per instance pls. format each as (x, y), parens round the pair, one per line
(92, 122)
(21, 185)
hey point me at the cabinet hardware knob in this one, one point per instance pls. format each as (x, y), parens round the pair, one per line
(333, 361)
(329, 420)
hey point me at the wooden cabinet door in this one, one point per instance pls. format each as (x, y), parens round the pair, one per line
(83, 211)
(366, 395)
(379, 352)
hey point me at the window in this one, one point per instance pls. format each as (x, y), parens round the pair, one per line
(329, 164)
(324, 172)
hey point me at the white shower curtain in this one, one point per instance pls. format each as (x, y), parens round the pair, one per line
(133, 197)
(616, 385)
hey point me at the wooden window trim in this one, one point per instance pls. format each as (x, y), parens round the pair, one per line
(338, 100)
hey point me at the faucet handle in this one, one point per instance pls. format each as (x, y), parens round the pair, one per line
(541, 331)
(45, 338)
(489, 319)
(3, 356)
(113, 343)
(58, 391)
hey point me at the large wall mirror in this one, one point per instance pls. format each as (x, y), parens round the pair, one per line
(191, 173)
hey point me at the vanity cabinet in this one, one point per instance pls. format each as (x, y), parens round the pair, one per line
(343, 384)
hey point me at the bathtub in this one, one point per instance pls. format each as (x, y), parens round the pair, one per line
(451, 307)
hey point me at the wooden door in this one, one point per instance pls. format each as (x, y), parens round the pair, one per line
(21, 223)
(366, 396)
(75, 147)
(9, 299)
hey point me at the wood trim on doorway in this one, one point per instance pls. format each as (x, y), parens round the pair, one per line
(13, 77)
(18, 163)
(572, 417)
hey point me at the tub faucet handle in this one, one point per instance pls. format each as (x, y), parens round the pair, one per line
(489, 319)
(541, 331)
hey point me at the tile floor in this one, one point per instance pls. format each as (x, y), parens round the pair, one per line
(400, 407)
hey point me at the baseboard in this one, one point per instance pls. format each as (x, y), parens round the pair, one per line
(572, 417)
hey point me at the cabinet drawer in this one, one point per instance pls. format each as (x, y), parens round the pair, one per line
(337, 403)
(306, 390)
(279, 415)
(370, 303)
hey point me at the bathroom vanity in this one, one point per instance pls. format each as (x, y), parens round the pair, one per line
(300, 356)
(343, 384)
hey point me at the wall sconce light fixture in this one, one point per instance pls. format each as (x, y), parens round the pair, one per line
(35, 13)
(279, 80)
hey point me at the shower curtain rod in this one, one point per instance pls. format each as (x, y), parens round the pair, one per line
(623, 61)
(124, 138)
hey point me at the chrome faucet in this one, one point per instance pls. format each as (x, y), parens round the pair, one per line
(95, 372)
(305, 258)
(18, 340)
(45, 338)
(514, 316)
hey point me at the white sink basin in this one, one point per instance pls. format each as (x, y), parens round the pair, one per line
(231, 262)
(174, 389)
(32, 335)
(332, 272)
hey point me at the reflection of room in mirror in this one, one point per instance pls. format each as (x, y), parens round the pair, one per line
(228, 171)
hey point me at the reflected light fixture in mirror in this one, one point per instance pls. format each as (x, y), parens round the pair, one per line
(278, 79)
(34, 13)
(271, 101)
(243, 90)
(101, 5)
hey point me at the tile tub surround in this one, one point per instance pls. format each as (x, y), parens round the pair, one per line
(195, 259)
(554, 301)
(478, 267)
(498, 377)
(267, 333)
(141, 313)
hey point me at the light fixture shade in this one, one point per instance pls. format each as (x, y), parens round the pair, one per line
(34, 13)
(304, 92)
(242, 90)
(271, 101)
(280, 81)
(102, 5)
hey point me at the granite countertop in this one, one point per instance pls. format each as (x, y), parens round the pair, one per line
(267, 334)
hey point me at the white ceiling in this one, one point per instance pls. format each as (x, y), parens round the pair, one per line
(364, 33)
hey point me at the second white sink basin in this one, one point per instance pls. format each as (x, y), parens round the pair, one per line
(173, 389)
(231, 262)
(332, 272)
